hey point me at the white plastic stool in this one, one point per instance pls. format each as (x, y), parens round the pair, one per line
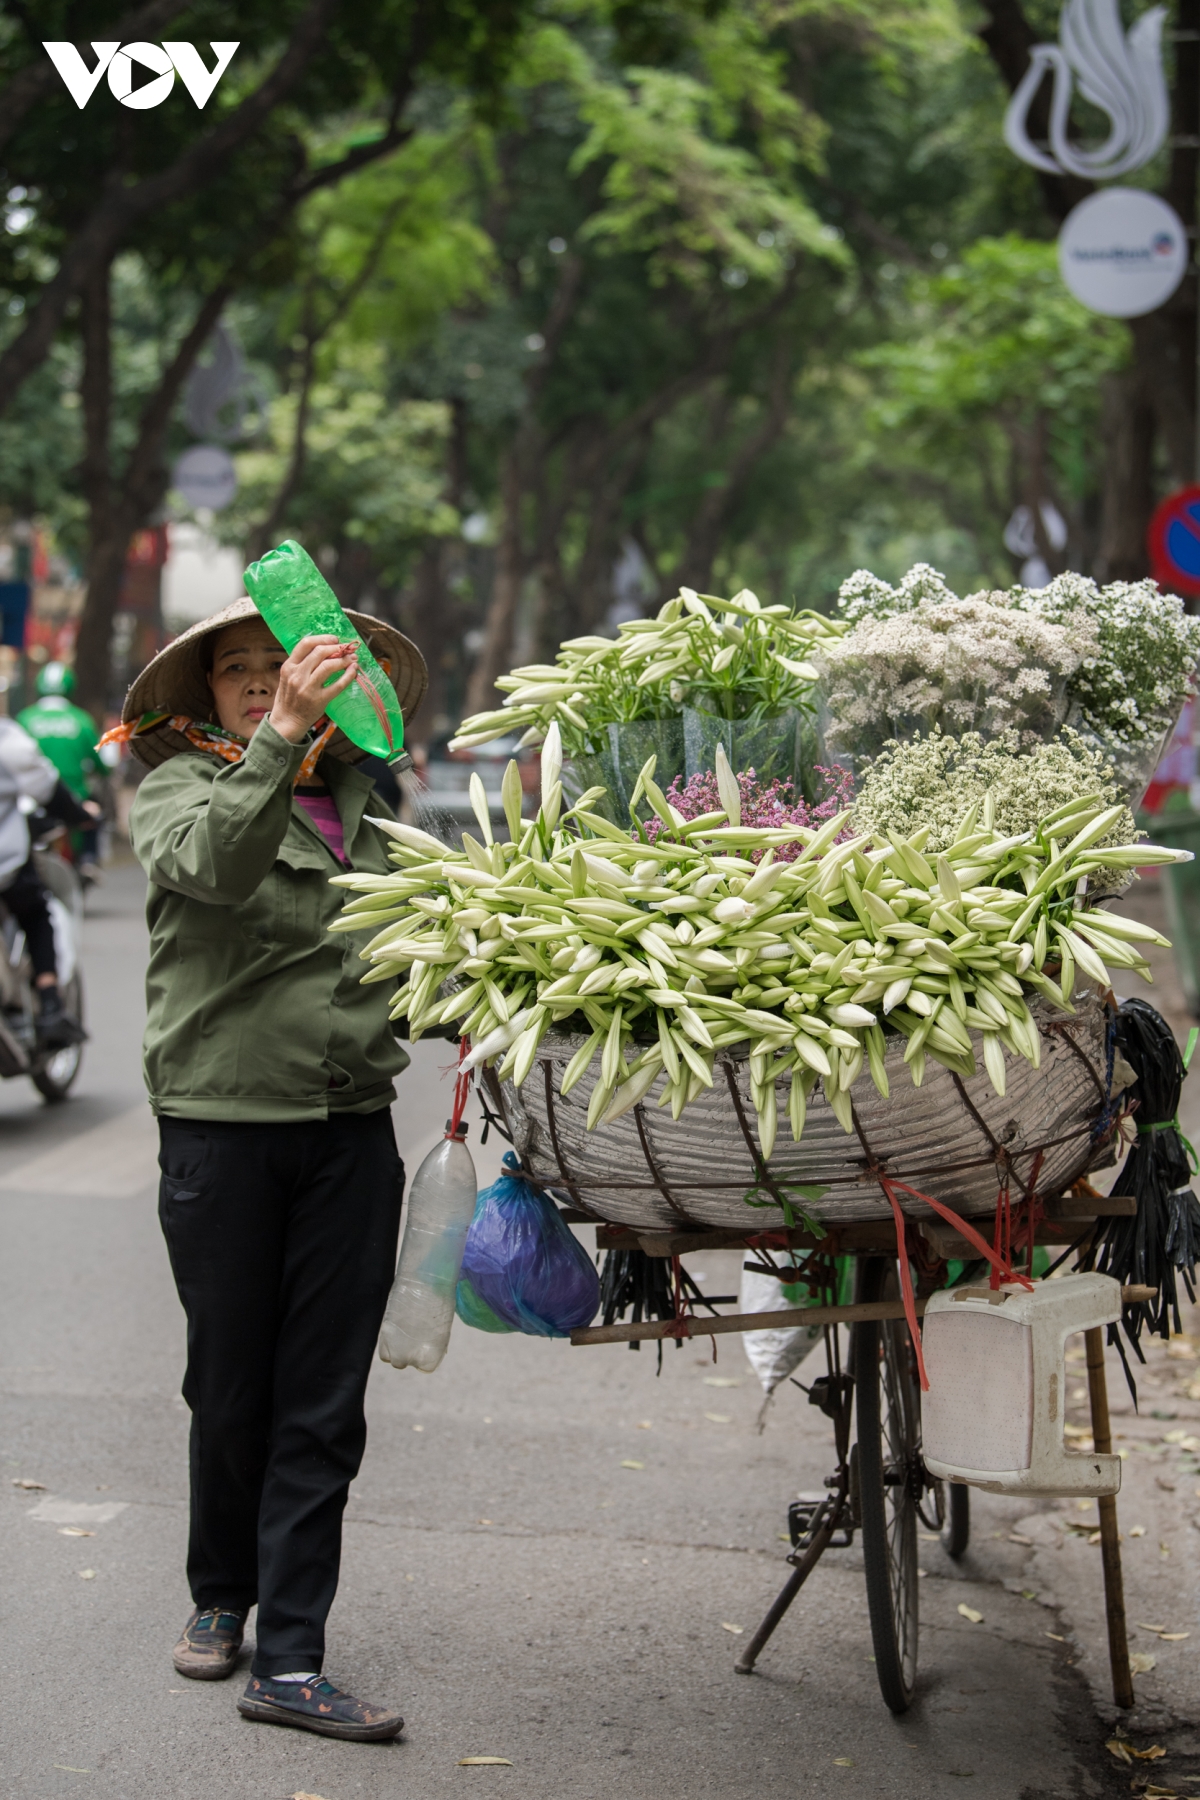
(993, 1416)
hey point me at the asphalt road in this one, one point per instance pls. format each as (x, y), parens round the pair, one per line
(550, 1554)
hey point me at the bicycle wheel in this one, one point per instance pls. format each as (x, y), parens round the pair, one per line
(890, 1482)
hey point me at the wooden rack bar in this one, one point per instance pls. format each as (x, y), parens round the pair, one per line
(717, 1326)
(695, 1326)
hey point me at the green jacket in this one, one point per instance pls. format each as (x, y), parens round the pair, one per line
(67, 735)
(254, 1011)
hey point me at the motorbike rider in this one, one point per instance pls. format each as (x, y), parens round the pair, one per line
(67, 735)
(28, 776)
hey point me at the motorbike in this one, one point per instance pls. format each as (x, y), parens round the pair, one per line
(51, 1071)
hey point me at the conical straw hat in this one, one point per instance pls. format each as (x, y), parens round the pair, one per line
(176, 682)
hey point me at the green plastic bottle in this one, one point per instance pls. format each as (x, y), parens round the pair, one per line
(297, 602)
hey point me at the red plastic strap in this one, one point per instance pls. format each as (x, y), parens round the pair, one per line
(462, 1088)
(1002, 1237)
(951, 1217)
(678, 1326)
(906, 1286)
(1006, 1272)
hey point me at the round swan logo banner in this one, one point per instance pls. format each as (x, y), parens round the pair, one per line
(1123, 252)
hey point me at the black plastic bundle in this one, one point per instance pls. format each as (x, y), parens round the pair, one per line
(1157, 1246)
(640, 1285)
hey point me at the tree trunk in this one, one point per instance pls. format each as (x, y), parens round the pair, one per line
(1128, 479)
(712, 515)
(262, 538)
(493, 658)
(117, 507)
(432, 612)
(106, 544)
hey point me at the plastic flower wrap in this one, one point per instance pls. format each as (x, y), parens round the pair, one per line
(734, 658)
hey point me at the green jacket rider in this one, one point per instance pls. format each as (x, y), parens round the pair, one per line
(62, 730)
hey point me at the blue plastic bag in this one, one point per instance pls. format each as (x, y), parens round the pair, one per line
(523, 1270)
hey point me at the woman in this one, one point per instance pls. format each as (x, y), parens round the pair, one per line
(270, 1068)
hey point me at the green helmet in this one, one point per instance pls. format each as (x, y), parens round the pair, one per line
(56, 678)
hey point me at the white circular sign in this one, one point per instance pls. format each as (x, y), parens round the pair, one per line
(205, 476)
(1123, 252)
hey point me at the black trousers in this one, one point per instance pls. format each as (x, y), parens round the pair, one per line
(282, 1241)
(25, 898)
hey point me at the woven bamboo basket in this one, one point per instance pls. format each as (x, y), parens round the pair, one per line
(955, 1139)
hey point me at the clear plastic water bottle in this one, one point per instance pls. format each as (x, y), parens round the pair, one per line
(420, 1308)
(296, 601)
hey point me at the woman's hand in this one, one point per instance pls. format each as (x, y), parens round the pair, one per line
(302, 695)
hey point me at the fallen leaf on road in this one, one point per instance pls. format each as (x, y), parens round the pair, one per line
(485, 1521)
(737, 1630)
(1151, 1792)
(304, 1796)
(1168, 1487)
(484, 1762)
(1094, 1537)
(632, 1465)
(1014, 1537)
(1056, 1636)
(1174, 1637)
(1137, 1531)
(720, 1418)
(70, 1769)
(1028, 1594)
(1173, 1437)
(34, 1487)
(1141, 1662)
(1145, 1625)
(644, 1425)
(74, 1531)
(968, 1612)
(1125, 1752)
(722, 1381)
(843, 1762)
(87, 1574)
